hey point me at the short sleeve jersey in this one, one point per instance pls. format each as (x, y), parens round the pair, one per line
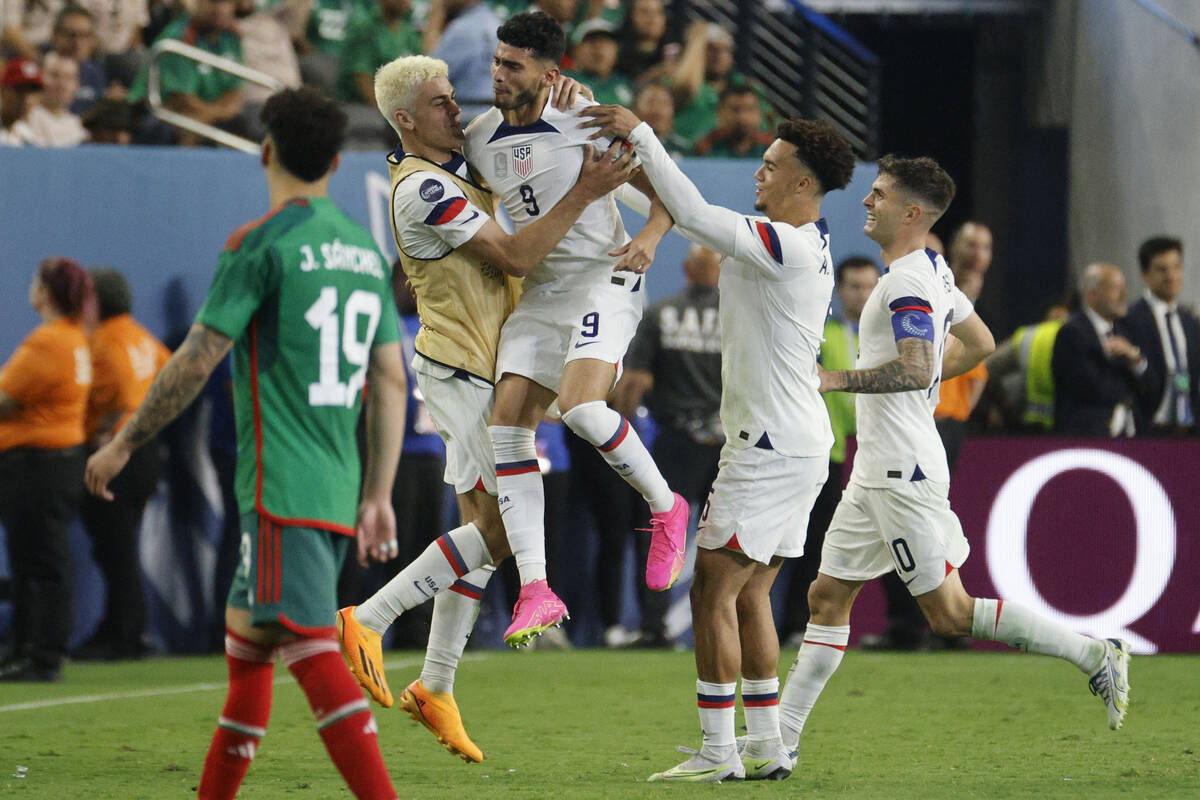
(775, 293)
(531, 168)
(433, 215)
(49, 375)
(306, 295)
(897, 438)
(125, 359)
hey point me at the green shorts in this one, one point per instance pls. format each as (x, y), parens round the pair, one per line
(288, 575)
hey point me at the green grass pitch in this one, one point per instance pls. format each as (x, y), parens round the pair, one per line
(589, 724)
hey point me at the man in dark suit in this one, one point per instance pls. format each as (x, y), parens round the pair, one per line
(1097, 370)
(1169, 335)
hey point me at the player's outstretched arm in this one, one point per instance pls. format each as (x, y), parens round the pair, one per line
(971, 343)
(520, 252)
(705, 224)
(387, 404)
(181, 379)
(913, 369)
(638, 253)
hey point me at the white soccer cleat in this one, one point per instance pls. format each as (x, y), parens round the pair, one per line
(1111, 681)
(700, 769)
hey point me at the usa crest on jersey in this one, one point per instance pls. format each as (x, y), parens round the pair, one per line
(522, 156)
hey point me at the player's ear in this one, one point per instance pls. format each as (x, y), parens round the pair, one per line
(333, 165)
(403, 119)
(913, 213)
(265, 154)
(551, 75)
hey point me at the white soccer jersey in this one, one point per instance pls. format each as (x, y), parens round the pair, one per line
(776, 283)
(897, 439)
(532, 168)
(432, 214)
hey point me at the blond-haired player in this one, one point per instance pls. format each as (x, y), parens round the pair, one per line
(465, 271)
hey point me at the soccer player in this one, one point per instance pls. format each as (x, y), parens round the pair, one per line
(776, 283)
(464, 269)
(303, 297)
(580, 308)
(895, 513)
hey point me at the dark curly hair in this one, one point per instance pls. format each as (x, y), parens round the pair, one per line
(922, 177)
(822, 149)
(536, 32)
(308, 128)
(68, 284)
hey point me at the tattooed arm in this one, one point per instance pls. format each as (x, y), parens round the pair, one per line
(181, 379)
(912, 370)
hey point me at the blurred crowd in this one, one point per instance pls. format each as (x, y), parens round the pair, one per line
(77, 71)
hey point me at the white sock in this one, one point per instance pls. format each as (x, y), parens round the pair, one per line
(521, 498)
(716, 704)
(760, 702)
(454, 614)
(1017, 626)
(447, 558)
(819, 657)
(615, 438)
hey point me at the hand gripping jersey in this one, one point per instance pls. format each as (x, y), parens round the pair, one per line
(462, 303)
(897, 439)
(532, 168)
(306, 295)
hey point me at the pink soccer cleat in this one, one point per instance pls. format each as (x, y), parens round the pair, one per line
(538, 609)
(668, 545)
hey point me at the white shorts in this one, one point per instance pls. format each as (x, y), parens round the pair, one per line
(909, 528)
(764, 499)
(460, 407)
(551, 326)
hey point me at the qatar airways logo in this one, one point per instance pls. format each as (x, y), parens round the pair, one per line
(1154, 528)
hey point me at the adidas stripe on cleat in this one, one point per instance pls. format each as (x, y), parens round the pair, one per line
(362, 649)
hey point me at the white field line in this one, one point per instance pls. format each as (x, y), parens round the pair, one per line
(184, 689)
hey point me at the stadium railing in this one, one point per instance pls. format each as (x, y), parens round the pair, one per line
(183, 50)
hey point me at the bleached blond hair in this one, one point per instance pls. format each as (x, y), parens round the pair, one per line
(396, 83)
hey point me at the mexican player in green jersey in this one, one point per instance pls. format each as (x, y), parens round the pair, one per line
(303, 298)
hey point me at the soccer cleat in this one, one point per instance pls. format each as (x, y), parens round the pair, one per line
(362, 648)
(772, 767)
(668, 546)
(438, 712)
(700, 769)
(1111, 681)
(538, 608)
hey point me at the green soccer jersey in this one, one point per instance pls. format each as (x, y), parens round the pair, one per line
(305, 294)
(181, 75)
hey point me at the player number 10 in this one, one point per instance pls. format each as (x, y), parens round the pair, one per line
(322, 315)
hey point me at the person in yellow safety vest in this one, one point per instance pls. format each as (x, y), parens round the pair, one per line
(1024, 360)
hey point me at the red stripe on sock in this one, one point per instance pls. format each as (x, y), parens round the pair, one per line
(841, 647)
(454, 587)
(449, 556)
(996, 627)
(760, 703)
(504, 473)
(706, 704)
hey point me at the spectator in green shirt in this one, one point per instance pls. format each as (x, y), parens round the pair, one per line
(738, 133)
(374, 38)
(198, 90)
(704, 70)
(595, 56)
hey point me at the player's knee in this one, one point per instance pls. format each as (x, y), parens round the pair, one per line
(819, 600)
